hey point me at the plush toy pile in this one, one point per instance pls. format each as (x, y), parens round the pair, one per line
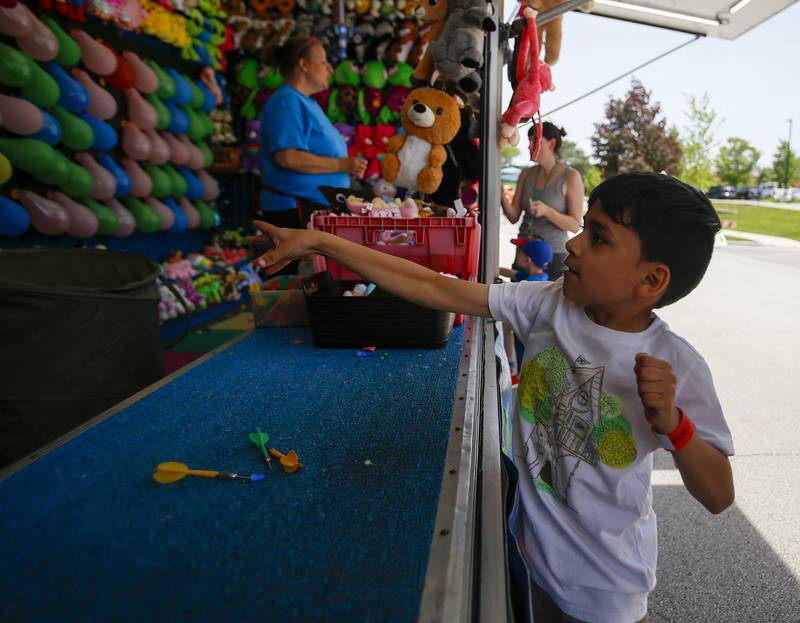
(220, 274)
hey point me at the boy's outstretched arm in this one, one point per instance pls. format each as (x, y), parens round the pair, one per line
(706, 472)
(400, 277)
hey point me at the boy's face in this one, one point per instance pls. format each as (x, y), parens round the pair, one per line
(604, 266)
(521, 261)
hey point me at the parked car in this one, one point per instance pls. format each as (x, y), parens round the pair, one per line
(747, 192)
(722, 192)
(769, 190)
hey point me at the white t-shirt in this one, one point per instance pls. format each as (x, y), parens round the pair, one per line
(583, 515)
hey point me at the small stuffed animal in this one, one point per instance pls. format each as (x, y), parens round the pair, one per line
(380, 139)
(384, 189)
(463, 163)
(433, 12)
(347, 131)
(413, 161)
(251, 159)
(401, 46)
(458, 52)
(533, 77)
(337, 197)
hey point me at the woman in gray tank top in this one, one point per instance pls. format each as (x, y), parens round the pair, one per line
(549, 197)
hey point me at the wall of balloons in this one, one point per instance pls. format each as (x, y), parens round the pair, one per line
(102, 134)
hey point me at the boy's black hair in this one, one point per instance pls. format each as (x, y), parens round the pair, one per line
(675, 223)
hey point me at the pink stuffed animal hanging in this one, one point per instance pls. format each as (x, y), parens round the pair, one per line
(533, 77)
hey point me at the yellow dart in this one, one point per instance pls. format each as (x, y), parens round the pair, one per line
(172, 472)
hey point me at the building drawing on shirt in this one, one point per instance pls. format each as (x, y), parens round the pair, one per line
(574, 421)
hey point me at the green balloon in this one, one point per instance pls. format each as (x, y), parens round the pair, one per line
(28, 154)
(107, 221)
(75, 132)
(166, 85)
(79, 183)
(15, 67)
(209, 122)
(164, 116)
(162, 184)
(197, 95)
(69, 53)
(42, 90)
(57, 175)
(206, 214)
(146, 218)
(197, 128)
(208, 157)
(176, 180)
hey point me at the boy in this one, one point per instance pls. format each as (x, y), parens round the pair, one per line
(532, 259)
(604, 384)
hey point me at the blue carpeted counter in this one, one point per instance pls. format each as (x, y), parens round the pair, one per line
(88, 536)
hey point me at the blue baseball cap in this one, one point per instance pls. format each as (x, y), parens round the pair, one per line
(537, 249)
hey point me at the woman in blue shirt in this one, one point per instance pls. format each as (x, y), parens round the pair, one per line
(300, 148)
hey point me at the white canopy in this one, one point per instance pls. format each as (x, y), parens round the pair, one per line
(726, 19)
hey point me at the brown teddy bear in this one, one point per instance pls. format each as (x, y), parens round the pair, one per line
(433, 12)
(550, 33)
(431, 119)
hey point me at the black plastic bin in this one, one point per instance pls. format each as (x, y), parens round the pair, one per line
(380, 319)
(78, 334)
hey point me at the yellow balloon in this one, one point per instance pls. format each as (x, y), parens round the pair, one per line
(5, 169)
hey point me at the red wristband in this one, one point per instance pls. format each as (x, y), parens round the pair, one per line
(682, 434)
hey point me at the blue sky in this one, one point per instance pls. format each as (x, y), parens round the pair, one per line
(753, 82)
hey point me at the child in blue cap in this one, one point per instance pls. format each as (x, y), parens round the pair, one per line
(533, 258)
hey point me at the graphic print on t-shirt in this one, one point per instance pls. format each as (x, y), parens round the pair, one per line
(574, 421)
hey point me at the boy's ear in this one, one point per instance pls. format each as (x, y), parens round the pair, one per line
(655, 281)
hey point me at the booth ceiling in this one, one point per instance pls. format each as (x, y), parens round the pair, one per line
(726, 19)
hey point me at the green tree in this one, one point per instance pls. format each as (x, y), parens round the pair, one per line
(785, 156)
(591, 179)
(575, 157)
(634, 138)
(698, 143)
(736, 161)
(508, 153)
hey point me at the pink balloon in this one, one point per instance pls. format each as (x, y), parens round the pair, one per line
(140, 111)
(134, 142)
(47, 217)
(105, 185)
(210, 186)
(21, 117)
(159, 150)
(146, 78)
(101, 103)
(96, 57)
(39, 43)
(164, 213)
(180, 155)
(83, 222)
(16, 21)
(127, 224)
(196, 158)
(192, 215)
(141, 184)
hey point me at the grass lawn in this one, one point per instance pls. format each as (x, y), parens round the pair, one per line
(759, 220)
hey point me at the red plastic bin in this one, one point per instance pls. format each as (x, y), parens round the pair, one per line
(444, 244)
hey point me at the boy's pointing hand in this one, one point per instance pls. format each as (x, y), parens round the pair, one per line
(656, 381)
(287, 245)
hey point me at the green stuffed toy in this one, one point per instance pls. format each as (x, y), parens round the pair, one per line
(374, 75)
(347, 73)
